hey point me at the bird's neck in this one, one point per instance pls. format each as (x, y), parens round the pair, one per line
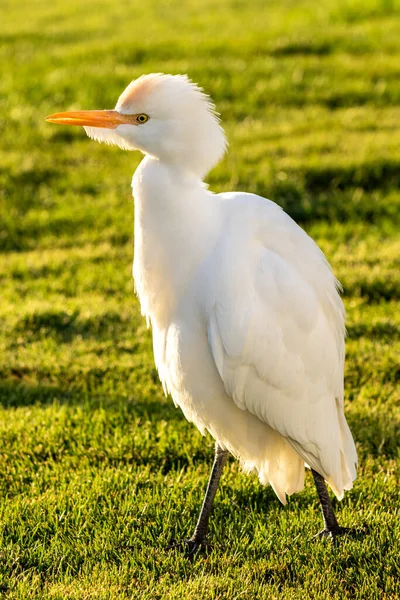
(175, 220)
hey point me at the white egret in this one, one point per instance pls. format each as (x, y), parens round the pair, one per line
(248, 326)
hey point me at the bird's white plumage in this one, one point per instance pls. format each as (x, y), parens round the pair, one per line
(248, 325)
(277, 349)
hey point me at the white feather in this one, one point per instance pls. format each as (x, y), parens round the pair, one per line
(248, 325)
(107, 136)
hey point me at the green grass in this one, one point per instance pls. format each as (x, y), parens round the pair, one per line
(98, 471)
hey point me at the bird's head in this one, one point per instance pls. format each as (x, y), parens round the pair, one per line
(164, 116)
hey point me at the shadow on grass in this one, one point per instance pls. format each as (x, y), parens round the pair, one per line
(303, 48)
(376, 437)
(21, 189)
(372, 175)
(374, 331)
(16, 393)
(65, 326)
(16, 236)
(374, 290)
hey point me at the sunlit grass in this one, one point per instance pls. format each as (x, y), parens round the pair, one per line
(98, 471)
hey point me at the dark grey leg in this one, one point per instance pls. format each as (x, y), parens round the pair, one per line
(199, 537)
(200, 532)
(331, 527)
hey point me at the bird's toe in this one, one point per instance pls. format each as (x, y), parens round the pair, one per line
(334, 533)
(190, 547)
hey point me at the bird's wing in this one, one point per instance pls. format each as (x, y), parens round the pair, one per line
(276, 330)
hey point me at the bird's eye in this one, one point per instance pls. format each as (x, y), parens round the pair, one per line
(142, 118)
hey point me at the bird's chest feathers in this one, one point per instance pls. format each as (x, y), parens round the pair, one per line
(159, 272)
(168, 238)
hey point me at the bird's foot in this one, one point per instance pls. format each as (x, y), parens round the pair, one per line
(190, 547)
(333, 533)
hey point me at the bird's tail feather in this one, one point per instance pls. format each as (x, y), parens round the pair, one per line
(338, 471)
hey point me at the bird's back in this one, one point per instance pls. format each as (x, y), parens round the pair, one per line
(276, 332)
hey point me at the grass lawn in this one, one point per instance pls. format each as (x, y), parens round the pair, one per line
(98, 470)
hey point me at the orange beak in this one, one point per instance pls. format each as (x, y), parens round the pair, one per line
(109, 119)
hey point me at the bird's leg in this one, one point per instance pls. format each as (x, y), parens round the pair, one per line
(331, 527)
(202, 524)
(199, 536)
